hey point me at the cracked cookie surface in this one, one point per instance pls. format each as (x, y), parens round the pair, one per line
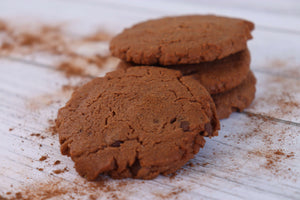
(187, 39)
(139, 123)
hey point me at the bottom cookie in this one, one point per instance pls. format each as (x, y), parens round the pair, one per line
(236, 99)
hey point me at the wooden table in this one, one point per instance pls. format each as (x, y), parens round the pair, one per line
(255, 156)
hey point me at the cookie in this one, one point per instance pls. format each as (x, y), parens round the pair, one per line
(216, 76)
(139, 123)
(236, 99)
(182, 40)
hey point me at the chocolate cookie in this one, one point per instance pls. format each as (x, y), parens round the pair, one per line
(139, 123)
(182, 40)
(216, 76)
(236, 99)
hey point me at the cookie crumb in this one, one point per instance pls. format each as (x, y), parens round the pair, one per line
(42, 158)
(37, 135)
(59, 171)
(191, 164)
(56, 162)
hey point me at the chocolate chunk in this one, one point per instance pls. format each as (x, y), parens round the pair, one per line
(185, 125)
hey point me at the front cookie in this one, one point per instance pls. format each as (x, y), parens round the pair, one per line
(236, 99)
(139, 123)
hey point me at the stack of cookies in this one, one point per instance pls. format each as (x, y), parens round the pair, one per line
(211, 49)
(143, 121)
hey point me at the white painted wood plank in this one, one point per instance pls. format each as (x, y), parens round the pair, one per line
(275, 52)
(110, 13)
(158, 8)
(287, 7)
(231, 166)
(277, 97)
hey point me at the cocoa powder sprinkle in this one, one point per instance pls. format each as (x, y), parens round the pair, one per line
(53, 40)
(70, 69)
(42, 158)
(56, 162)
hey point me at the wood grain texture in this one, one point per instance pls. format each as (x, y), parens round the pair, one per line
(235, 165)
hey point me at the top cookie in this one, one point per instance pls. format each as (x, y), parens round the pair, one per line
(182, 40)
(137, 123)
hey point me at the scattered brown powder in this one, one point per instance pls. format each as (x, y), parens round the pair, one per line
(42, 158)
(20, 40)
(278, 63)
(98, 36)
(173, 175)
(174, 193)
(287, 67)
(7, 46)
(66, 88)
(37, 135)
(281, 93)
(275, 159)
(3, 26)
(70, 69)
(92, 197)
(40, 169)
(97, 60)
(288, 102)
(59, 171)
(51, 29)
(19, 195)
(190, 164)
(29, 39)
(279, 152)
(44, 191)
(56, 162)
(59, 189)
(52, 127)
(53, 40)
